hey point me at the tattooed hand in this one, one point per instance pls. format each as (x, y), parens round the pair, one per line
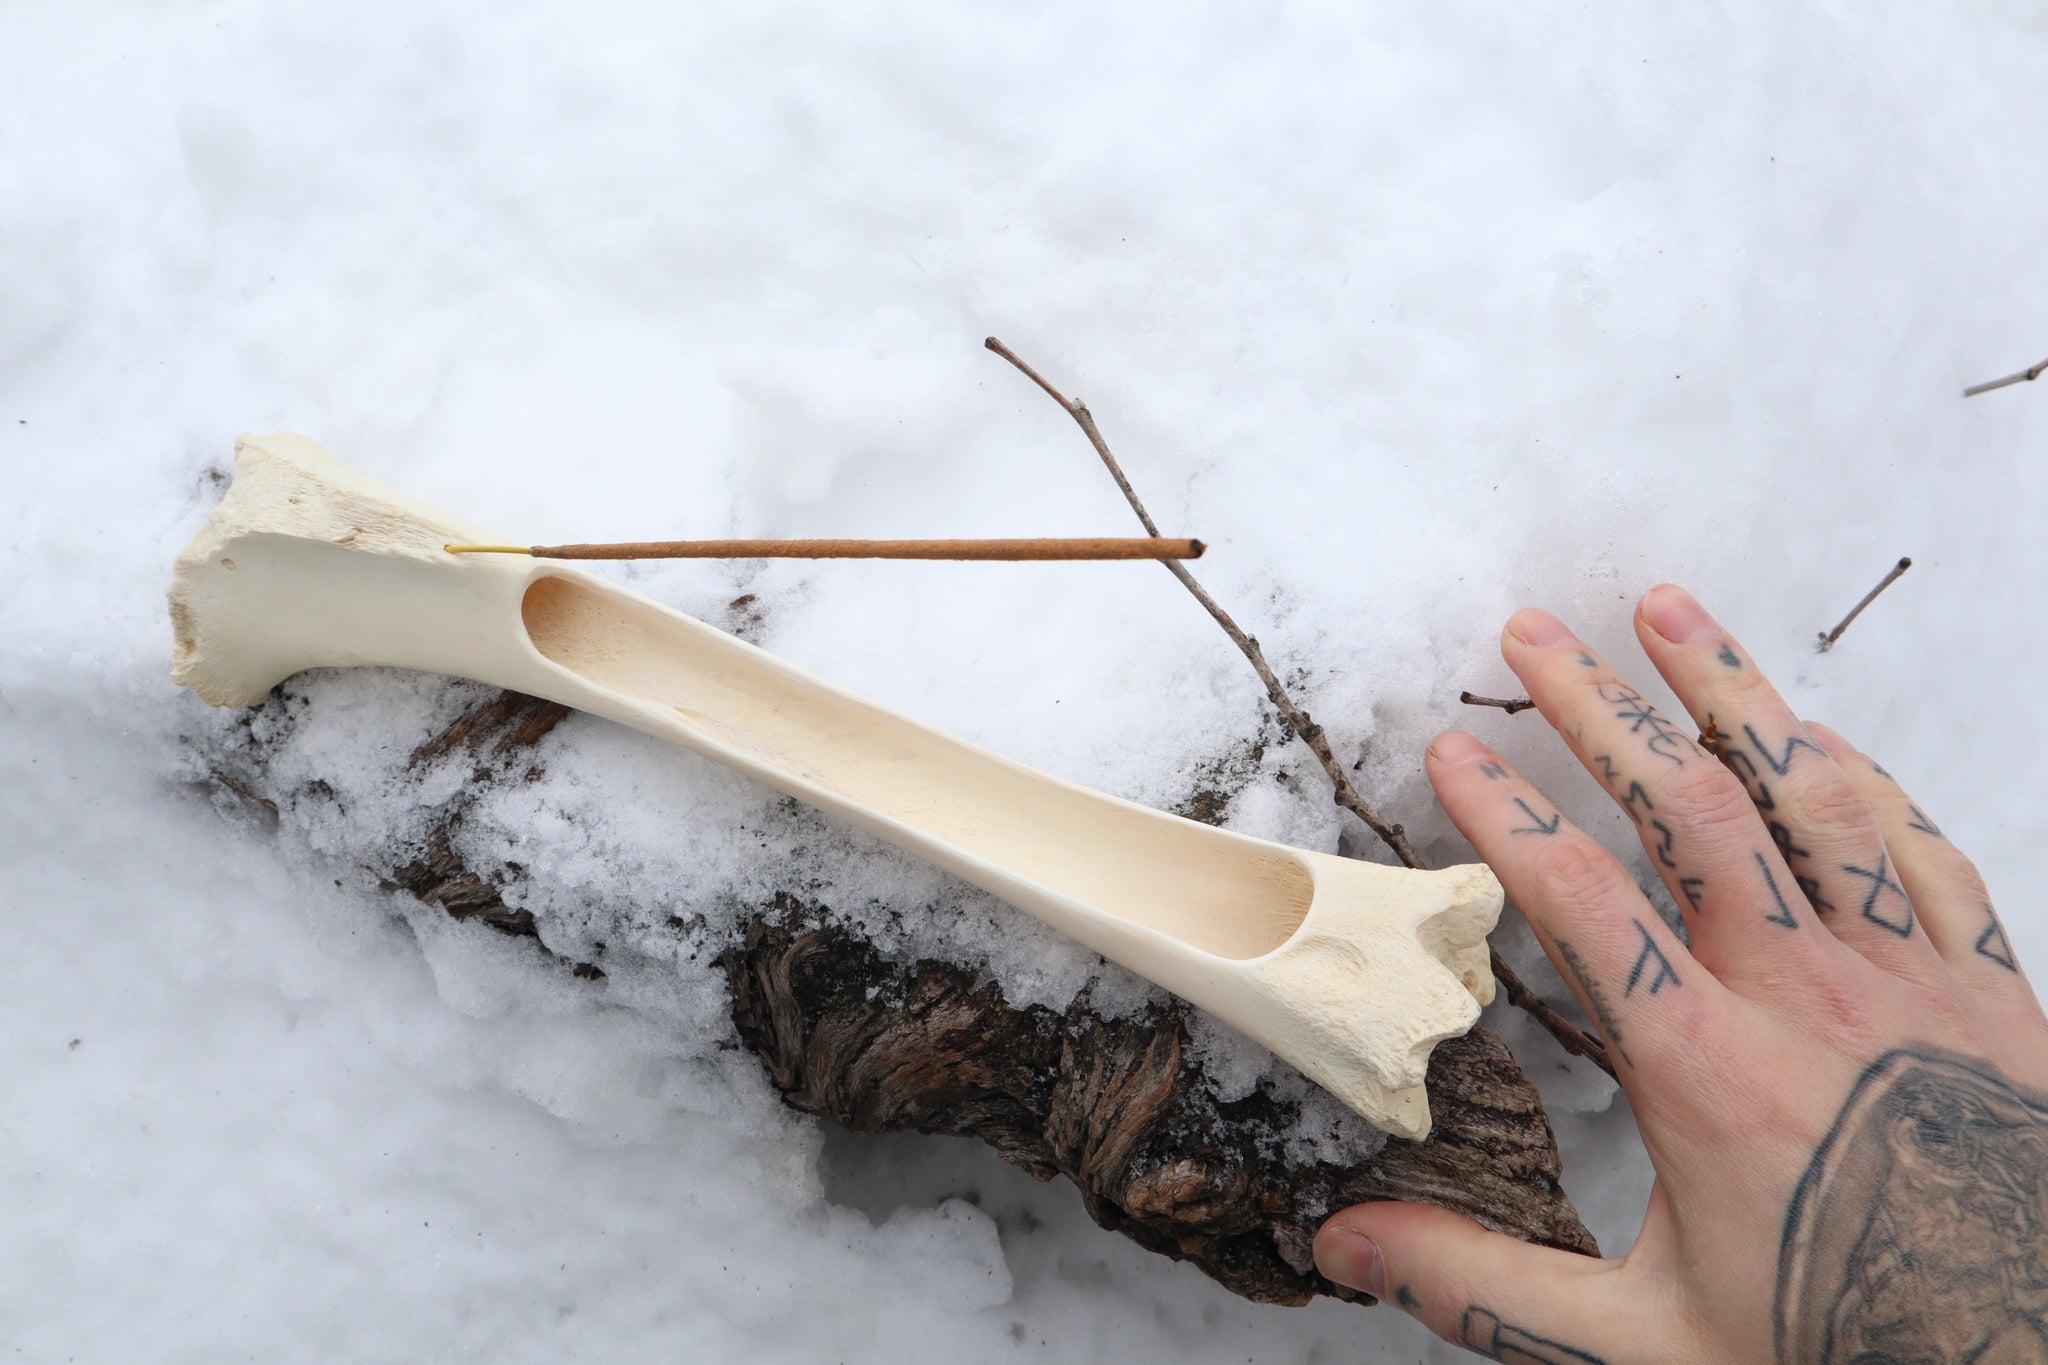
(1840, 1081)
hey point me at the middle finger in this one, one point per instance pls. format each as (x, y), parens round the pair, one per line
(1743, 910)
(1827, 833)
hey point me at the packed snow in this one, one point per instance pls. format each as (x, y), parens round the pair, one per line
(1415, 314)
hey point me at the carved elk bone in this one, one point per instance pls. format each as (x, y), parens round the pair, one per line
(1349, 970)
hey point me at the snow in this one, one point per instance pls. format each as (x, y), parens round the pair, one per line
(1414, 314)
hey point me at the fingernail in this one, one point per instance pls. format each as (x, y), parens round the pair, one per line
(1351, 1259)
(1455, 746)
(1677, 617)
(1535, 626)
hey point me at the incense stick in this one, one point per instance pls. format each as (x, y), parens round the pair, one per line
(1040, 547)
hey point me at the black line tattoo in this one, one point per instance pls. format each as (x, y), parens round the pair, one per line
(1665, 740)
(1781, 835)
(1586, 660)
(1608, 772)
(1482, 1331)
(1922, 823)
(1728, 657)
(1493, 770)
(1881, 882)
(1993, 943)
(1693, 888)
(1595, 998)
(1743, 767)
(1407, 1298)
(1780, 763)
(1809, 887)
(1663, 849)
(1784, 915)
(1634, 794)
(1916, 1233)
(1537, 826)
(1650, 953)
(1878, 768)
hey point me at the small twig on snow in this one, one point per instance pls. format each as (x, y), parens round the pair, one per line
(1828, 637)
(1507, 704)
(1572, 1039)
(2032, 372)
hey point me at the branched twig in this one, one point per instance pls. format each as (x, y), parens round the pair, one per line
(1828, 637)
(1298, 720)
(2032, 372)
(1507, 704)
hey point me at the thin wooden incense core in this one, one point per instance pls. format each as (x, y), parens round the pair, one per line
(1041, 547)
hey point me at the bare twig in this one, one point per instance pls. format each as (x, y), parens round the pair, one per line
(1828, 637)
(1507, 704)
(1710, 737)
(1572, 1039)
(2032, 372)
(1153, 546)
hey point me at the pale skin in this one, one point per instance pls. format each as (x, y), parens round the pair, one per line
(1842, 1083)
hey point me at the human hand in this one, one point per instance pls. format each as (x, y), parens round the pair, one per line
(1840, 1083)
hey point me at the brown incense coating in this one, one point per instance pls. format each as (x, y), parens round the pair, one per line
(1037, 547)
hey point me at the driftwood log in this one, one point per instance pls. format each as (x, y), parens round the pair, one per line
(1121, 1106)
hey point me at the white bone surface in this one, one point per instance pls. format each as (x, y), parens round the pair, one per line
(1351, 971)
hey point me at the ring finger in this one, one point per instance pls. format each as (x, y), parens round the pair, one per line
(1826, 832)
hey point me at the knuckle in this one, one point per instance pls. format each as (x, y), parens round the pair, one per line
(1830, 807)
(1708, 796)
(1956, 873)
(1576, 873)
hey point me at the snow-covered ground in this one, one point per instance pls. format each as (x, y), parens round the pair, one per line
(1415, 314)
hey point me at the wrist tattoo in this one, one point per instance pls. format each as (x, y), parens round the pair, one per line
(1919, 1231)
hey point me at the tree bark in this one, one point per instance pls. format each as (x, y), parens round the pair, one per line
(1117, 1105)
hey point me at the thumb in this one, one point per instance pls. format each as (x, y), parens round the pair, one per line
(1482, 1290)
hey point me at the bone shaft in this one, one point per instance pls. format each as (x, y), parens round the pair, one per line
(1043, 547)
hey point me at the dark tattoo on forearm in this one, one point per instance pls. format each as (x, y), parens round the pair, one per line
(1784, 915)
(1595, 998)
(1662, 738)
(1780, 763)
(1536, 825)
(1900, 918)
(1993, 943)
(1651, 953)
(1485, 1333)
(1918, 1230)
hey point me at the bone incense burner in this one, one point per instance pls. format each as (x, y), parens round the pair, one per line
(1349, 970)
